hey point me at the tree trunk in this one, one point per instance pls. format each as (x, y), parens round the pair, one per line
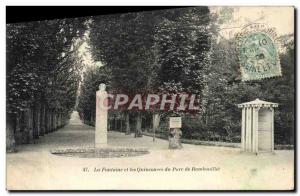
(60, 120)
(138, 129)
(121, 123)
(115, 124)
(46, 121)
(27, 136)
(42, 123)
(57, 120)
(155, 121)
(17, 128)
(50, 121)
(10, 135)
(36, 122)
(93, 118)
(127, 123)
(30, 126)
(21, 136)
(54, 121)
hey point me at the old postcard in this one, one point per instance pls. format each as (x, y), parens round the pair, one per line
(191, 98)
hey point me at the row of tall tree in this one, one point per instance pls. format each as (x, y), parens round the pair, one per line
(160, 51)
(182, 50)
(43, 73)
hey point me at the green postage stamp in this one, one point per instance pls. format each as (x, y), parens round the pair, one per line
(257, 49)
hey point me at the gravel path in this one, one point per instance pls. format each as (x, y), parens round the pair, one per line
(207, 167)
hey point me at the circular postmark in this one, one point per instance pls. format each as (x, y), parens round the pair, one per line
(257, 50)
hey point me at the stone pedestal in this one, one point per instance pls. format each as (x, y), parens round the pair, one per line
(101, 117)
(175, 139)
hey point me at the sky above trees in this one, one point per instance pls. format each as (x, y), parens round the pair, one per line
(280, 18)
(277, 17)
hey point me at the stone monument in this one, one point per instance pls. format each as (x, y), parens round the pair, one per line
(175, 133)
(257, 134)
(175, 139)
(101, 117)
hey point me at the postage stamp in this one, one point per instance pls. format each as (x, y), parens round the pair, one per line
(257, 49)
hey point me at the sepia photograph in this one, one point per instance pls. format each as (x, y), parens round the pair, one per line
(170, 98)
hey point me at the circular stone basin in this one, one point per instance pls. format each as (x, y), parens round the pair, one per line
(101, 152)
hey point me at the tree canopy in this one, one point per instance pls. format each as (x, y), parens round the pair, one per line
(43, 63)
(181, 50)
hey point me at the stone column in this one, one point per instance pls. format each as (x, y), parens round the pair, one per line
(243, 143)
(272, 129)
(248, 128)
(101, 117)
(255, 130)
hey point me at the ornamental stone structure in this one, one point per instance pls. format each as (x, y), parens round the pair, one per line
(175, 133)
(101, 117)
(257, 126)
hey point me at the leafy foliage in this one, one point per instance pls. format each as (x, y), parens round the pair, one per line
(182, 42)
(225, 89)
(92, 77)
(42, 64)
(180, 50)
